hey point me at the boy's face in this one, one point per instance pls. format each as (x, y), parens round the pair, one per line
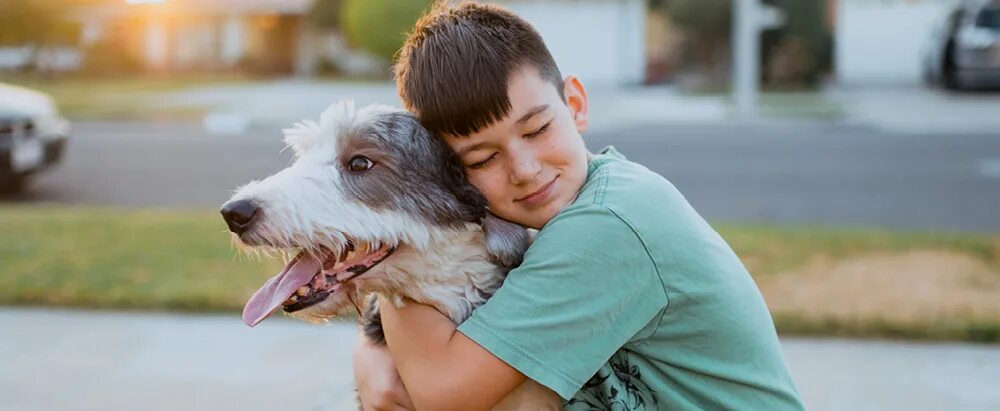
(532, 163)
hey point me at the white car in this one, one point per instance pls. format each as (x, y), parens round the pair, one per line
(964, 49)
(32, 135)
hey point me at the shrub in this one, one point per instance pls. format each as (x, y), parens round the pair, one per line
(380, 26)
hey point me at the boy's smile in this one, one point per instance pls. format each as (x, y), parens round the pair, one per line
(540, 196)
(532, 163)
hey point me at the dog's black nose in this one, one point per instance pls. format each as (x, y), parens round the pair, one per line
(239, 215)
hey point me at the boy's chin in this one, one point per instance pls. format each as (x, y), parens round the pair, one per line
(537, 218)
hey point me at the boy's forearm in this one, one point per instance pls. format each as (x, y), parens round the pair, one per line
(433, 370)
(418, 340)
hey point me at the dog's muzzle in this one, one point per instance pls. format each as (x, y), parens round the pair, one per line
(310, 278)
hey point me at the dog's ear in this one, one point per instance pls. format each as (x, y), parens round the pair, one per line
(471, 201)
(505, 241)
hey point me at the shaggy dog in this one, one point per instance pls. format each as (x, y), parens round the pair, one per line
(375, 204)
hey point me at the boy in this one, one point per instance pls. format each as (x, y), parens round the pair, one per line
(627, 299)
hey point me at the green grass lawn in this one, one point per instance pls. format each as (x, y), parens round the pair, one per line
(809, 105)
(177, 260)
(815, 280)
(128, 97)
(119, 97)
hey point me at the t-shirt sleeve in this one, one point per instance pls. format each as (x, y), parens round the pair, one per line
(586, 287)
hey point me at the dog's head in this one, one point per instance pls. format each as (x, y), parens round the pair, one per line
(367, 185)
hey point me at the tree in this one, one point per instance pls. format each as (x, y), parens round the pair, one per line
(326, 14)
(795, 54)
(703, 17)
(380, 26)
(799, 52)
(708, 24)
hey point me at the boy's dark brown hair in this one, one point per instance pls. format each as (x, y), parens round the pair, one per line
(453, 70)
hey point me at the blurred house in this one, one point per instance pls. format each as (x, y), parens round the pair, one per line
(601, 41)
(880, 41)
(181, 35)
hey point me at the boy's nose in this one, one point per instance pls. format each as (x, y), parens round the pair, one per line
(524, 169)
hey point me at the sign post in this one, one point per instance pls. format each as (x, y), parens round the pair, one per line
(749, 18)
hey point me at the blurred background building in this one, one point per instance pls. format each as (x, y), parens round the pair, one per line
(621, 42)
(299, 36)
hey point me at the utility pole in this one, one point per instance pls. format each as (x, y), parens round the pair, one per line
(750, 17)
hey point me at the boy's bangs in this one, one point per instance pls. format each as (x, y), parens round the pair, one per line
(459, 93)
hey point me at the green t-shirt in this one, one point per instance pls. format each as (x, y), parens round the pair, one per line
(629, 300)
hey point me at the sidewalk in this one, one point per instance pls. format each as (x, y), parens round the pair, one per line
(285, 101)
(80, 360)
(914, 110)
(920, 110)
(54, 359)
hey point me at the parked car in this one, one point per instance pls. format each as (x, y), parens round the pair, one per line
(964, 50)
(32, 135)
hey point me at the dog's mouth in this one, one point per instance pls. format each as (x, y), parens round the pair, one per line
(311, 277)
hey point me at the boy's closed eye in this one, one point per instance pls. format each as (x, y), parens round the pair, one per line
(482, 164)
(536, 133)
(541, 130)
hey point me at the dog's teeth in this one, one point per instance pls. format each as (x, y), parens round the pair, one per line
(294, 298)
(303, 291)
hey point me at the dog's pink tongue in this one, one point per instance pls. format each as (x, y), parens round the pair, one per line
(277, 289)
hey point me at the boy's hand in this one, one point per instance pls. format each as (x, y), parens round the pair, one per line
(378, 382)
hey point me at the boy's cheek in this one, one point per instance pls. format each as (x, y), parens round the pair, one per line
(489, 184)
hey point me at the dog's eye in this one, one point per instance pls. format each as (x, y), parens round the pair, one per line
(360, 163)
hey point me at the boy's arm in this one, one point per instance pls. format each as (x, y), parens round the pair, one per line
(377, 380)
(441, 368)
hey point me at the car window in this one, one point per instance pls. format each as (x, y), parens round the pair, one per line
(989, 18)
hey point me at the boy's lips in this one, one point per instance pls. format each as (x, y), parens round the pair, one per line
(539, 195)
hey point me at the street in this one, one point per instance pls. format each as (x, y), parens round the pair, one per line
(828, 174)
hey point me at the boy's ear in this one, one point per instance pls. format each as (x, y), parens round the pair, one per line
(505, 241)
(576, 99)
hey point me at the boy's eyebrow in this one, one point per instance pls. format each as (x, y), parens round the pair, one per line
(531, 113)
(468, 149)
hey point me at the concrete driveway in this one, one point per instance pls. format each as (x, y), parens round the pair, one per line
(81, 360)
